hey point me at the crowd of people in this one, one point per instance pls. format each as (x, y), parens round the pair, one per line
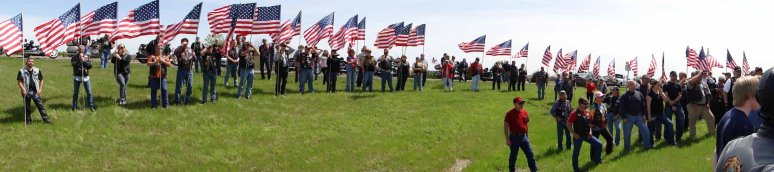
(732, 105)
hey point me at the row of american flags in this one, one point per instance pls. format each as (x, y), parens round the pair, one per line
(567, 62)
(235, 19)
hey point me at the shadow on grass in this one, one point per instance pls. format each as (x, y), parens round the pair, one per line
(551, 152)
(16, 114)
(83, 103)
(138, 86)
(358, 97)
(690, 141)
(589, 166)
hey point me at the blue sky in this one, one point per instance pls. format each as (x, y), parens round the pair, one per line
(611, 29)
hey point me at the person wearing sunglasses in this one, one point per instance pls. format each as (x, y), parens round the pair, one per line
(580, 123)
(121, 59)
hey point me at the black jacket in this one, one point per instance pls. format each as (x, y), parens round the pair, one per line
(121, 66)
(334, 65)
(80, 68)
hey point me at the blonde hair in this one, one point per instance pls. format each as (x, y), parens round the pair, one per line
(744, 87)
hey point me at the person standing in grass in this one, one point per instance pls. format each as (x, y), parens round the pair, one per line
(743, 119)
(306, 64)
(332, 71)
(210, 63)
(613, 118)
(698, 106)
(569, 86)
(599, 123)
(673, 91)
(522, 78)
(447, 73)
(185, 58)
(30, 81)
(246, 69)
(283, 63)
(591, 87)
(266, 52)
(560, 111)
(424, 71)
(121, 60)
(632, 109)
(352, 72)
(369, 65)
(515, 129)
(541, 78)
(81, 66)
(475, 71)
(419, 73)
(385, 70)
(580, 123)
(497, 70)
(403, 72)
(158, 61)
(513, 76)
(232, 58)
(753, 152)
(655, 107)
(558, 85)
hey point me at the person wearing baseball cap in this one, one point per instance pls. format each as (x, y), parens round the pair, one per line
(599, 123)
(515, 130)
(560, 111)
(754, 152)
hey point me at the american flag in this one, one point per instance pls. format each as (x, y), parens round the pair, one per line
(596, 68)
(417, 37)
(403, 36)
(713, 62)
(663, 70)
(320, 30)
(361, 29)
(691, 57)
(611, 69)
(559, 62)
(745, 65)
(730, 63)
(229, 36)
(288, 29)
(503, 49)
(11, 34)
(189, 25)
(143, 20)
(706, 62)
(547, 56)
(101, 21)
(584, 66)
(267, 20)
(633, 66)
(652, 67)
(59, 31)
(347, 32)
(477, 45)
(385, 39)
(524, 52)
(220, 18)
(571, 60)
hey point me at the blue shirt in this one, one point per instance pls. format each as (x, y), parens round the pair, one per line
(734, 124)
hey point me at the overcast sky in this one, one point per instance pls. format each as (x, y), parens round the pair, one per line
(610, 29)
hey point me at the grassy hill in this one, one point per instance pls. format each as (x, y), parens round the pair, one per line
(406, 131)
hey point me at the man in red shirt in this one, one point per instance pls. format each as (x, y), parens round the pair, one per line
(475, 71)
(590, 89)
(515, 129)
(447, 74)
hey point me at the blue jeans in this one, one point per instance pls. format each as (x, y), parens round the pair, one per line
(156, 84)
(76, 89)
(351, 74)
(669, 132)
(447, 84)
(596, 150)
(541, 90)
(474, 85)
(561, 127)
(680, 119)
(638, 120)
(210, 78)
(103, 59)
(521, 141)
(122, 80)
(368, 81)
(246, 81)
(418, 82)
(183, 77)
(230, 69)
(614, 125)
(386, 79)
(305, 77)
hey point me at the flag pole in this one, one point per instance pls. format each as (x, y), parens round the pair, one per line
(24, 63)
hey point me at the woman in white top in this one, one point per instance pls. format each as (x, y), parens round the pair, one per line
(323, 66)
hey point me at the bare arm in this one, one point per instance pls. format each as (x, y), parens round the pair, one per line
(648, 100)
(24, 90)
(41, 87)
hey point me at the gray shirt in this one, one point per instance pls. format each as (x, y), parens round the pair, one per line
(751, 153)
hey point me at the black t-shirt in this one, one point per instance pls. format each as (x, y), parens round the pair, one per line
(31, 84)
(656, 103)
(612, 104)
(672, 90)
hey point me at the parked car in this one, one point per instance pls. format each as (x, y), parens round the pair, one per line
(141, 55)
(581, 78)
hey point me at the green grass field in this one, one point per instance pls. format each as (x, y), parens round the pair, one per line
(407, 131)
